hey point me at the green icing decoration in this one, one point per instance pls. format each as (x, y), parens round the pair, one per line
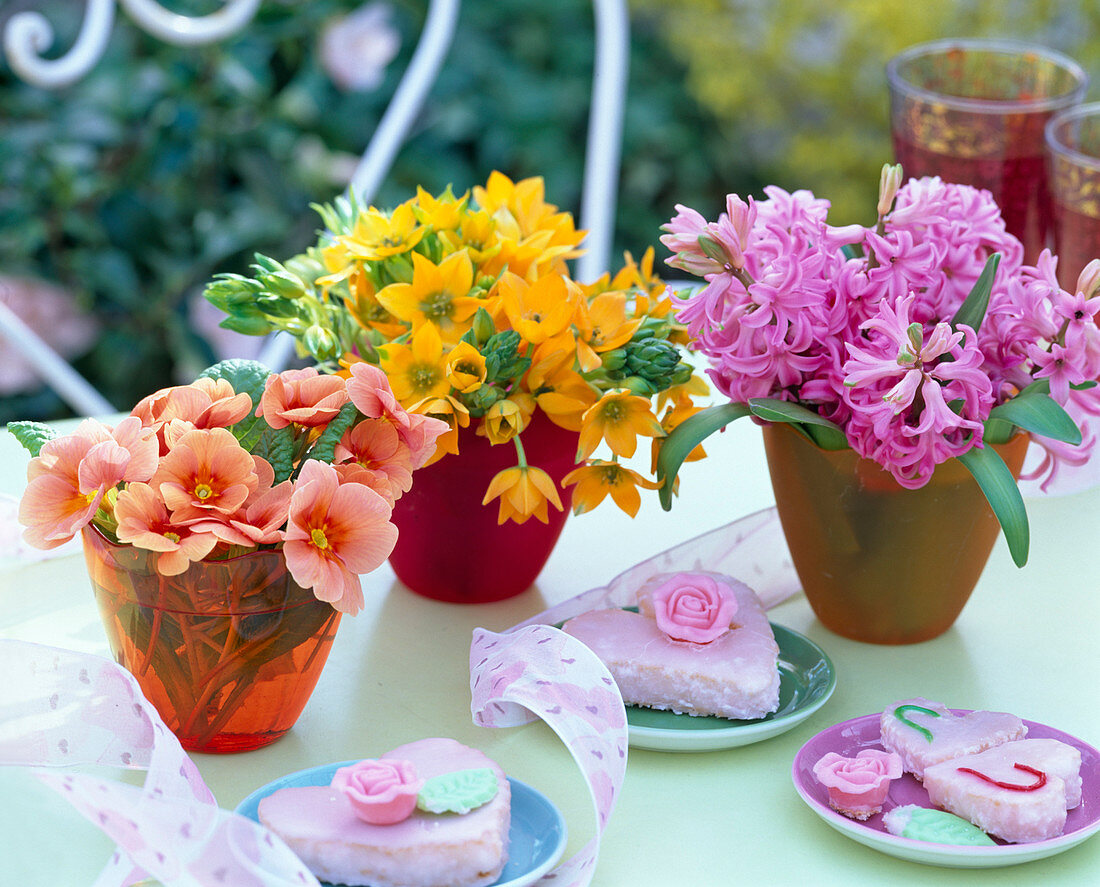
(941, 827)
(924, 731)
(458, 792)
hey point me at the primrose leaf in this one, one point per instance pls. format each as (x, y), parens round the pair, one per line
(685, 437)
(246, 377)
(276, 446)
(1002, 493)
(32, 435)
(324, 447)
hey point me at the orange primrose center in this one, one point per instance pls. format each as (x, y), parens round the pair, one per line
(318, 537)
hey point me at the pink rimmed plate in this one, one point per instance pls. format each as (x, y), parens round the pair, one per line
(851, 736)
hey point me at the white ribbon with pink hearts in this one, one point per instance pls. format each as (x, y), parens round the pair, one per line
(59, 708)
(536, 670)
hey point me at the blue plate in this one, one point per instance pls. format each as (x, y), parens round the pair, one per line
(536, 839)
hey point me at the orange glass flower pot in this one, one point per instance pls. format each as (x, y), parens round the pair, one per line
(450, 546)
(878, 562)
(227, 652)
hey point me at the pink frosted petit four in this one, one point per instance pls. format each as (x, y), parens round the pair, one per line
(1018, 791)
(858, 786)
(465, 845)
(925, 733)
(700, 644)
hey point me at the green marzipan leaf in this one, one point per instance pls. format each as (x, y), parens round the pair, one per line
(1003, 495)
(324, 447)
(32, 434)
(819, 430)
(1039, 413)
(458, 792)
(685, 437)
(972, 311)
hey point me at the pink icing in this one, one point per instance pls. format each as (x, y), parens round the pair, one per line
(381, 792)
(694, 607)
(861, 782)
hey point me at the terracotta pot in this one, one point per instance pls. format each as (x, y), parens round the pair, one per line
(450, 546)
(227, 652)
(878, 562)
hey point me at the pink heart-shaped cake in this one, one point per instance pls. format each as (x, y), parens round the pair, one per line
(1019, 791)
(700, 644)
(924, 733)
(469, 849)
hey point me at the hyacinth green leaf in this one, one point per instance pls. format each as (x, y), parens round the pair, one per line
(999, 486)
(324, 448)
(1039, 413)
(817, 429)
(685, 437)
(32, 435)
(972, 311)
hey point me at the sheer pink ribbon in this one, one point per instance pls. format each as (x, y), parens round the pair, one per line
(535, 670)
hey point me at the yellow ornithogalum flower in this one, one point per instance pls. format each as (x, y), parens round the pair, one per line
(604, 326)
(376, 235)
(438, 295)
(416, 370)
(596, 481)
(534, 237)
(465, 368)
(447, 409)
(650, 298)
(507, 418)
(477, 235)
(539, 310)
(442, 213)
(362, 304)
(560, 391)
(524, 490)
(618, 418)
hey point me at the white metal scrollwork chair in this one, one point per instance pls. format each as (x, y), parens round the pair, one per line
(28, 35)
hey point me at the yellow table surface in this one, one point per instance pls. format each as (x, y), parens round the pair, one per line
(1026, 643)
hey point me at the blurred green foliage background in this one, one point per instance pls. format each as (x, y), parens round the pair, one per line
(166, 165)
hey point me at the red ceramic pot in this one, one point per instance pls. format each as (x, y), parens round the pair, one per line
(450, 546)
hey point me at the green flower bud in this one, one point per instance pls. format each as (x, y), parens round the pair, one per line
(483, 328)
(613, 360)
(285, 284)
(638, 385)
(321, 343)
(306, 267)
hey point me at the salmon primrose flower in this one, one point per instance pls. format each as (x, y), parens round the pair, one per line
(240, 460)
(918, 338)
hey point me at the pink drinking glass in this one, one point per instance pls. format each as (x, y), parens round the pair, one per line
(1073, 157)
(974, 111)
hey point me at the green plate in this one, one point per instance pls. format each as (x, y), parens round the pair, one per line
(806, 681)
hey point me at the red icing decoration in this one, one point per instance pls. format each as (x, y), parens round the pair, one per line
(1010, 786)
